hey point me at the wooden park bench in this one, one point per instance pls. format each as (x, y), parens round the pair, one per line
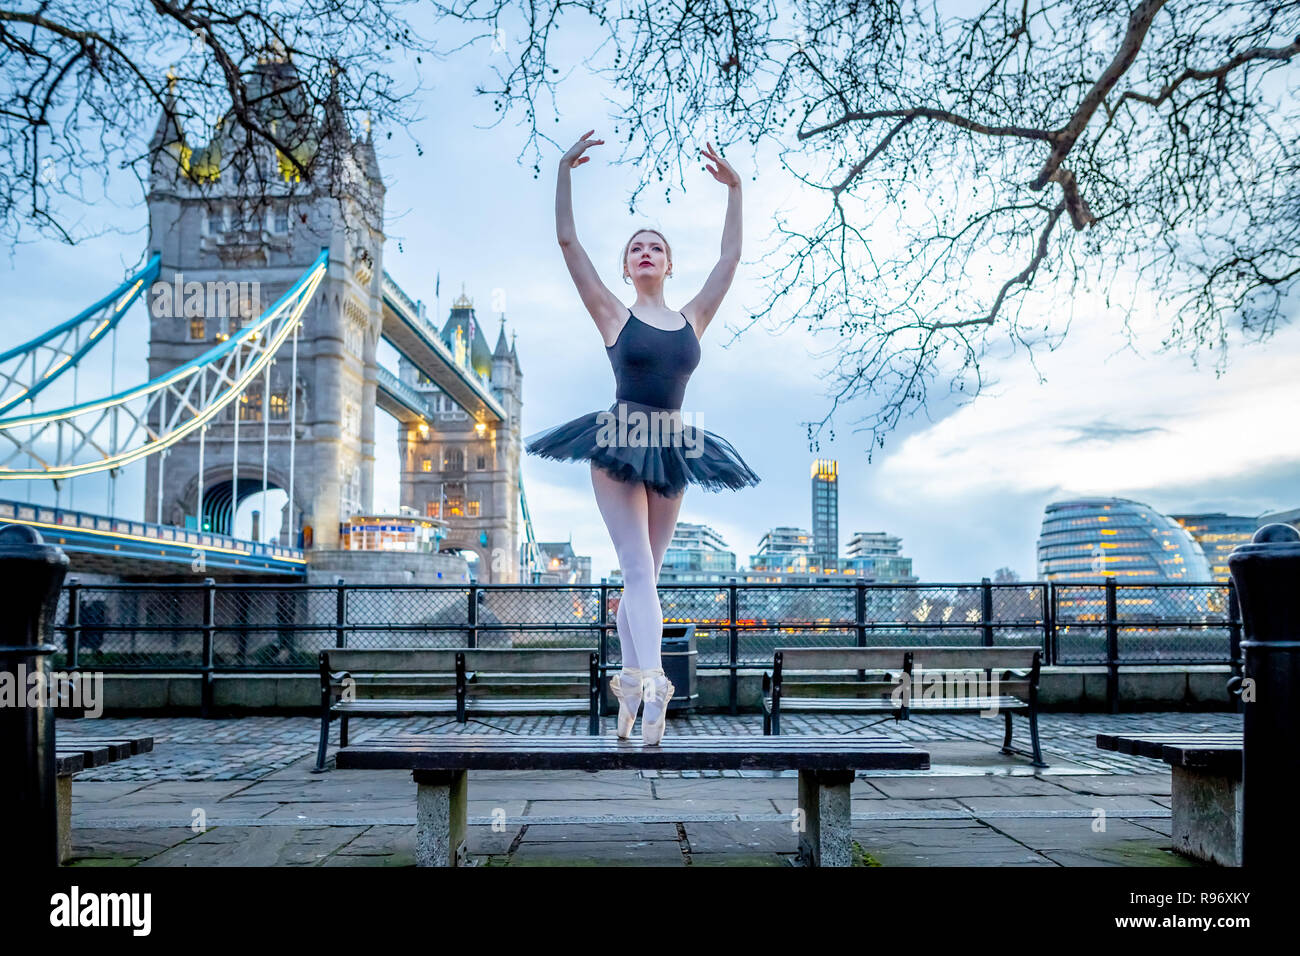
(1205, 788)
(835, 680)
(75, 753)
(440, 765)
(464, 682)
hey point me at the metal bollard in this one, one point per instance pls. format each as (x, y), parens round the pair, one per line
(33, 573)
(1266, 574)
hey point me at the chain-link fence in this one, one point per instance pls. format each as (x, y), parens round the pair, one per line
(211, 628)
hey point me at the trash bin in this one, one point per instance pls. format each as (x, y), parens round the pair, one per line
(678, 652)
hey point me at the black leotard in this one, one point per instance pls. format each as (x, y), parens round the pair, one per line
(653, 365)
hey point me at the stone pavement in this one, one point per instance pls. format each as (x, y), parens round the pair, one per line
(240, 792)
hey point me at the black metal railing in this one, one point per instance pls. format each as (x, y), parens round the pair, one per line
(210, 628)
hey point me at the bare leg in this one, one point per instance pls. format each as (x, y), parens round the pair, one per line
(624, 509)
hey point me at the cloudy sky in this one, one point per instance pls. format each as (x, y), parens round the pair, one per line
(964, 490)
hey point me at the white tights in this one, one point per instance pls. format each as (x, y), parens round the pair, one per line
(641, 524)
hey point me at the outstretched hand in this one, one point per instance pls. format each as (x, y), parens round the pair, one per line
(722, 170)
(574, 158)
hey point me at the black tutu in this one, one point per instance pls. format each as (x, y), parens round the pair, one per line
(664, 452)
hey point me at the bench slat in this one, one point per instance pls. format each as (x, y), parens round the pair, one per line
(1213, 753)
(406, 659)
(891, 658)
(682, 752)
(917, 704)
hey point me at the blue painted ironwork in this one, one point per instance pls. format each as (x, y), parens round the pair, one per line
(27, 370)
(108, 433)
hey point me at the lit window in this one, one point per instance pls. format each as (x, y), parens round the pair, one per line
(472, 509)
(279, 405)
(431, 509)
(198, 329)
(250, 407)
(426, 464)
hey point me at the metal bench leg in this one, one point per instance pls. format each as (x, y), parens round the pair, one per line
(1033, 736)
(1006, 738)
(343, 731)
(440, 817)
(827, 833)
(324, 745)
(63, 803)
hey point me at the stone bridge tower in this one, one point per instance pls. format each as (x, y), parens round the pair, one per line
(223, 213)
(465, 473)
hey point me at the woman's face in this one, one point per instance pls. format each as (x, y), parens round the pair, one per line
(646, 256)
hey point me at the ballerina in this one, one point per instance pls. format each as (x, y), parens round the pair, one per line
(642, 451)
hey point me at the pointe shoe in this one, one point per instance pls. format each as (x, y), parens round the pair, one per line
(626, 686)
(656, 692)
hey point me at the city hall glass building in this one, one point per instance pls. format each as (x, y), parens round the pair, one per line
(1091, 539)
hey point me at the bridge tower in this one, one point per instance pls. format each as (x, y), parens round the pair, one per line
(465, 473)
(236, 224)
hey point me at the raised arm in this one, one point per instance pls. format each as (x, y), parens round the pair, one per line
(605, 308)
(709, 299)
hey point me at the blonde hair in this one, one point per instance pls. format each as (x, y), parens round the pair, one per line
(628, 245)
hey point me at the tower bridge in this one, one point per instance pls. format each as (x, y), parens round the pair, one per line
(243, 398)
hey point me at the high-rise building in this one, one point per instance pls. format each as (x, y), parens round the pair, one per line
(826, 509)
(1218, 534)
(785, 540)
(1090, 539)
(785, 556)
(878, 556)
(697, 554)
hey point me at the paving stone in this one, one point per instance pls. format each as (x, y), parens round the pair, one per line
(97, 791)
(1152, 784)
(741, 859)
(136, 843)
(733, 837)
(1164, 827)
(983, 786)
(258, 846)
(688, 806)
(317, 812)
(1077, 835)
(1074, 801)
(601, 832)
(1137, 853)
(259, 769)
(169, 814)
(620, 853)
(725, 788)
